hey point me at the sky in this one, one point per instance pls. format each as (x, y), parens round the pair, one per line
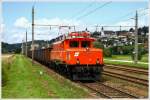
(17, 17)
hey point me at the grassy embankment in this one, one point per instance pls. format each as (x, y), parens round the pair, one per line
(25, 81)
(142, 64)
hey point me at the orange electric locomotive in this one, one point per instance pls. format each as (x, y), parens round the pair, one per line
(74, 55)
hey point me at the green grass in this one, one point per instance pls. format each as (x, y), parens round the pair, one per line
(145, 66)
(144, 58)
(25, 81)
(127, 57)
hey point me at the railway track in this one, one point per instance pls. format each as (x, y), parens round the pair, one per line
(128, 69)
(106, 91)
(127, 78)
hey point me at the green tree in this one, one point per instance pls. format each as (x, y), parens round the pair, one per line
(131, 30)
(107, 52)
(98, 45)
(145, 30)
(127, 49)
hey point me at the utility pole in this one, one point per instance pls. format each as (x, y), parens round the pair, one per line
(32, 35)
(47, 44)
(74, 28)
(96, 28)
(120, 28)
(136, 39)
(22, 47)
(26, 44)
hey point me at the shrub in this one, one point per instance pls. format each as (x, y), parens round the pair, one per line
(107, 52)
(142, 49)
(98, 45)
(4, 76)
(114, 50)
(139, 55)
(127, 49)
(17, 50)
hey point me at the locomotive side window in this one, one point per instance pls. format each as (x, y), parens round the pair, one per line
(85, 44)
(74, 44)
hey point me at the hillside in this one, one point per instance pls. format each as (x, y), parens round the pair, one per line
(16, 48)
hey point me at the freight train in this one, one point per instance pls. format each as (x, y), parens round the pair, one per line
(74, 55)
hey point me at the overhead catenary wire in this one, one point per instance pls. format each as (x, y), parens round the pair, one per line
(112, 26)
(43, 34)
(129, 13)
(92, 11)
(83, 10)
(49, 25)
(132, 12)
(133, 18)
(139, 10)
(143, 9)
(88, 13)
(125, 20)
(143, 14)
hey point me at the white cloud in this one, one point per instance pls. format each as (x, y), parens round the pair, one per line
(78, 0)
(142, 21)
(17, 32)
(2, 26)
(22, 22)
(57, 21)
(125, 23)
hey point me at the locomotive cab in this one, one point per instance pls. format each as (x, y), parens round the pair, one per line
(83, 57)
(80, 44)
(75, 54)
(81, 51)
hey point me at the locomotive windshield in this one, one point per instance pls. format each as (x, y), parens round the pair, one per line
(85, 44)
(74, 44)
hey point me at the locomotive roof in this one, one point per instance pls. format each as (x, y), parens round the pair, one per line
(78, 35)
(81, 38)
(75, 39)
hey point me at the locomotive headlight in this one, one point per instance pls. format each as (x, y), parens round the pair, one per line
(97, 61)
(78, 62)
